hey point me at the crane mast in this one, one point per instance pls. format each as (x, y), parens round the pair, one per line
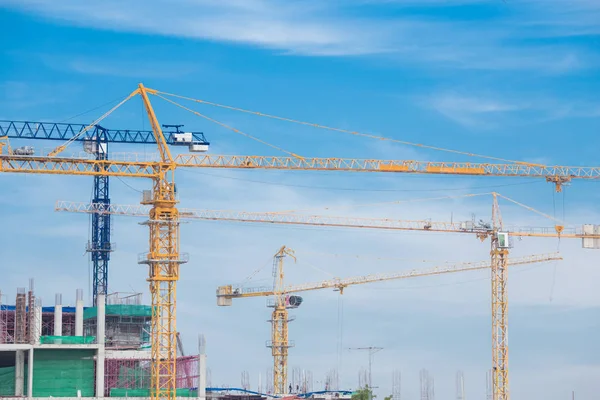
(95, 140)
(499, 320)
(163, 261)
(500, 243)
(279, 323)
(164, 258)
(499, 240)
(100, 246)
(282, 301)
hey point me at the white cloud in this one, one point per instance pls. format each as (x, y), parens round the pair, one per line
(425, 322)
(291, 27)
(470, 111)
(132, 69)
(492, 110)
(334, 29)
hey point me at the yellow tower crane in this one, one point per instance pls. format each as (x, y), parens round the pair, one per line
(164, 258)
(500, 243)
(282, 301)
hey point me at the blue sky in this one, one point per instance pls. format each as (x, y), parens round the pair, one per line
(516, 80)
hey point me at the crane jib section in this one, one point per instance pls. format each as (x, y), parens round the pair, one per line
(373, 165)
(75, 166)
(64, 131)
(470, 227)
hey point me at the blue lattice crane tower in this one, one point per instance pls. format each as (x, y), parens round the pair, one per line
(95, 141)
(100, 246)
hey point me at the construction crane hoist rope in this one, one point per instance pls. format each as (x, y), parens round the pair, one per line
(501, 240)
(95, 140)
(282, 300)
(164, 257)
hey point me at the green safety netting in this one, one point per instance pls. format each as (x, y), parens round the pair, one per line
(67, 339)
(61, 373)
(119, 392)
(7, 382)
(133, 378)
(120, 309)
(57, 373)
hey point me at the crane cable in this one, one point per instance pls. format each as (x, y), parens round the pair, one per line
(89, 111)
(355, 133)
(423, 199)
(230, 127)
(553, 218)
(62, 147)
(378, 258)
(355, 189)
(255, 272)
(318, 269)
(531, 209)
(487, 278)
(428, 199)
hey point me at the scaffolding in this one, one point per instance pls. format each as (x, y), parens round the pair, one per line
(68, 321)
(121, 298)
(269, 387)
(332, 380)
(245, 380)
(127, 325)
(131, 376)
(13, 322)
(20, 317)
(302, 381)
(396, 385)
(4, 322)
(71, 372)
(427, 385)
(31, 320)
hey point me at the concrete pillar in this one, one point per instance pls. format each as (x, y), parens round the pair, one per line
(201, 368)
(202, 376)
(101, 339)
(58, 315)
(79, 313)
(30, 374)
(36, 331)
(19, 372)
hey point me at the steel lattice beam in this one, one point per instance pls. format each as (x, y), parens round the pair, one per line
(64, 132)
(500, 384)
(552, 173)
(77, 166)
(101, 246)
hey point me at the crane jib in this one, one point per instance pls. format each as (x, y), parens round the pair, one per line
(555, 174)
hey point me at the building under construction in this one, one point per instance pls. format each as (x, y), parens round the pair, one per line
(101, 351)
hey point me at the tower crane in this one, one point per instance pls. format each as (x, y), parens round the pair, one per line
(500, 243)
(95, 140)
(164, 257)
(282, 301)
